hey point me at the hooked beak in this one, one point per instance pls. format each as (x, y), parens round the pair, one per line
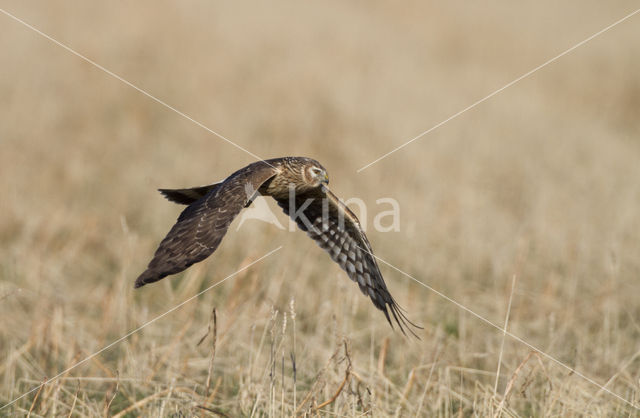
(325, 180)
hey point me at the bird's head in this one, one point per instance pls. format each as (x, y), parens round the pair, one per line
(310, 174)
(314, 174)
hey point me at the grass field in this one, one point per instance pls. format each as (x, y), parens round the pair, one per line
(529, 200)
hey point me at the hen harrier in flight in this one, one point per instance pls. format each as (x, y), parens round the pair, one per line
(298, 184)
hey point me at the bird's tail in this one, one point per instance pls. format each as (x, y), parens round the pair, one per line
(188, 196)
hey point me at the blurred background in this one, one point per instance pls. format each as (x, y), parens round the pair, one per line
(540, 183)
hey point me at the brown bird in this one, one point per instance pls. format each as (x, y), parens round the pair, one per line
(299, 185)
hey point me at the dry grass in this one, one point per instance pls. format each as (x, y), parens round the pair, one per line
(541, 182)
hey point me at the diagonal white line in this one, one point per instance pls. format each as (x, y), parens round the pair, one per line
(615, 376)
(116, 76)
(139, 328)
(504, 331)
(525, 75)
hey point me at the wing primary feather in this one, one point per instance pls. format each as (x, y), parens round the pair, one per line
(341, 235)
(204, 222)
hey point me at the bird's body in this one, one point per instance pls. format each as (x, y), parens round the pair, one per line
(298, 184)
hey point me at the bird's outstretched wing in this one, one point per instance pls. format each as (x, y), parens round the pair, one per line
(201, 226)
(336, 229)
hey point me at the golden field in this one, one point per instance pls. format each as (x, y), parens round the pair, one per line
(529, 200)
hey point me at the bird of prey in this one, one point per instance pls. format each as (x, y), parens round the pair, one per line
(299, 185)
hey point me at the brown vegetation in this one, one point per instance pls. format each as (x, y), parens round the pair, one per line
(541, 182)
